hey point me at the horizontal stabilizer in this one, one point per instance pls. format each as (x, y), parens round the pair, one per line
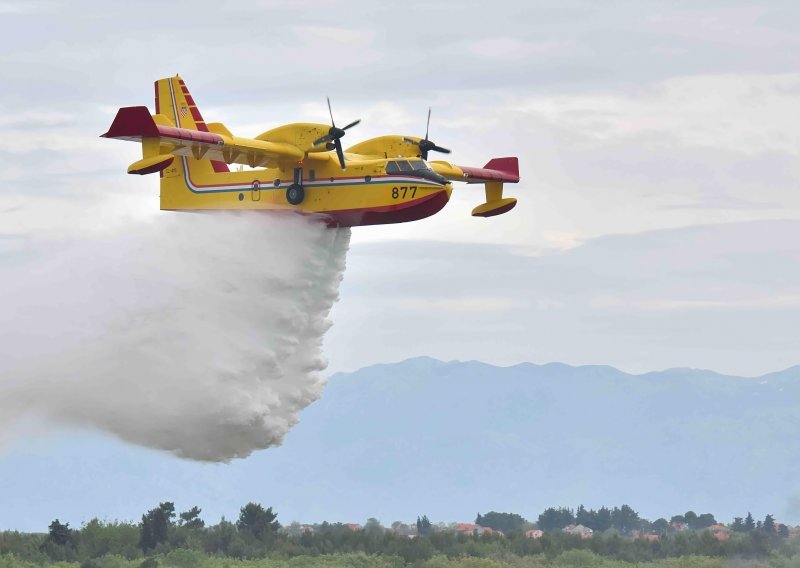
(151, 165)
(132, 123)
(498, 169)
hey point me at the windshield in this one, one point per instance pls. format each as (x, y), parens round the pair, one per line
(406, 166)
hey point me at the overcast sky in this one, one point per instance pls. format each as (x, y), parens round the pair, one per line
(627, 117)
(658, 222)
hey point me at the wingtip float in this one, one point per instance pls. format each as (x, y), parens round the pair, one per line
(300, 167)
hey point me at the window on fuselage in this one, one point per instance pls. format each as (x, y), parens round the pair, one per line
(418, 165)
(404, 166)
(392, 168)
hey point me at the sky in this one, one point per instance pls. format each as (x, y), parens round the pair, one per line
(658, 222)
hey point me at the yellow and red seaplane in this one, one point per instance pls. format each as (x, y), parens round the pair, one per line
(299, 167)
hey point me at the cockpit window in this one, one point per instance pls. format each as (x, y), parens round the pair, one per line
(405, 166)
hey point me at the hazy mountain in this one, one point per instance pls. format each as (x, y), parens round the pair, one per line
(451, 439)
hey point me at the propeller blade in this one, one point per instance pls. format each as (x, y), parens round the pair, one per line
(330, 111)
(340, 153)
(352, 124)
(440, 149)
(428, 125)
(325, 138)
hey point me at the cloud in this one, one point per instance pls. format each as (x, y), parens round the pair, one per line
(737, 26)
(512, 48)
(676, 304)
(742, 113)
(724, 296)
(459, 304)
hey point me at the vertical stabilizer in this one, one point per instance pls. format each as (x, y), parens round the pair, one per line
(174, 101)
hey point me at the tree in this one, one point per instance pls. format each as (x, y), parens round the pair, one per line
(553, 519)
(505, 522)
(258, 521)
(625, 519)
(373, 527)
(155, 524)
(59, 533)
(661, 526)
(602, 520)
(749, 524)
(704, 521)
(769, 525)
(191, 519)
(677, 519)
(424, 527)
(738, 524)
(690, 517)
(783, 531)
(585, 517)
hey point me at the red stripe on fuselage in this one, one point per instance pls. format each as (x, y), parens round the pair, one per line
(401, 213)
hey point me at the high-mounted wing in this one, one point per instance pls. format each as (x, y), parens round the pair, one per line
(178, 129)
(161, 140)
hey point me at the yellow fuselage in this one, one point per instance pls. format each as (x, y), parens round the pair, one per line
(364, 194)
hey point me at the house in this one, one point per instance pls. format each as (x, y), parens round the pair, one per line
(720, 532)
(679, 526)
(580, 530)
(353, 526)
(469, 528)
(534, 533)
(476, 530)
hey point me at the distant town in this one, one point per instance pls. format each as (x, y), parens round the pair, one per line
(560, 536)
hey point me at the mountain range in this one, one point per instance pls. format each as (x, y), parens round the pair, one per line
(452, 439)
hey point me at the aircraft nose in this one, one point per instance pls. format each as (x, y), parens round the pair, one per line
(438, 178)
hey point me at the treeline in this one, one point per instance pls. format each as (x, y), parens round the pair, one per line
(167, 537)
(624, 520)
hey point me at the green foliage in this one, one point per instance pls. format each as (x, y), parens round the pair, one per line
(424, 527)
(59, 534)
(98, 539)
(155, 525)
(506, 522)
(191, 519)
(553, 519)
(255, 541)
(258, 521)
(769, 525)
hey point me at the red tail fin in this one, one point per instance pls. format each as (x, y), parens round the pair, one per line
(508, 166)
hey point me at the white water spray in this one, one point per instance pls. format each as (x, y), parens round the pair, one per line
(198, 334)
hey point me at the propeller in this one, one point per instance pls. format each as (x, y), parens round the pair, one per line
(426, 145)
(332, 139)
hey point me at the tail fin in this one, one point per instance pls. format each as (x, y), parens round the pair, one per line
(508, 166)
(174, 101)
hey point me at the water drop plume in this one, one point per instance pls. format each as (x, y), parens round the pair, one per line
(196, 334)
